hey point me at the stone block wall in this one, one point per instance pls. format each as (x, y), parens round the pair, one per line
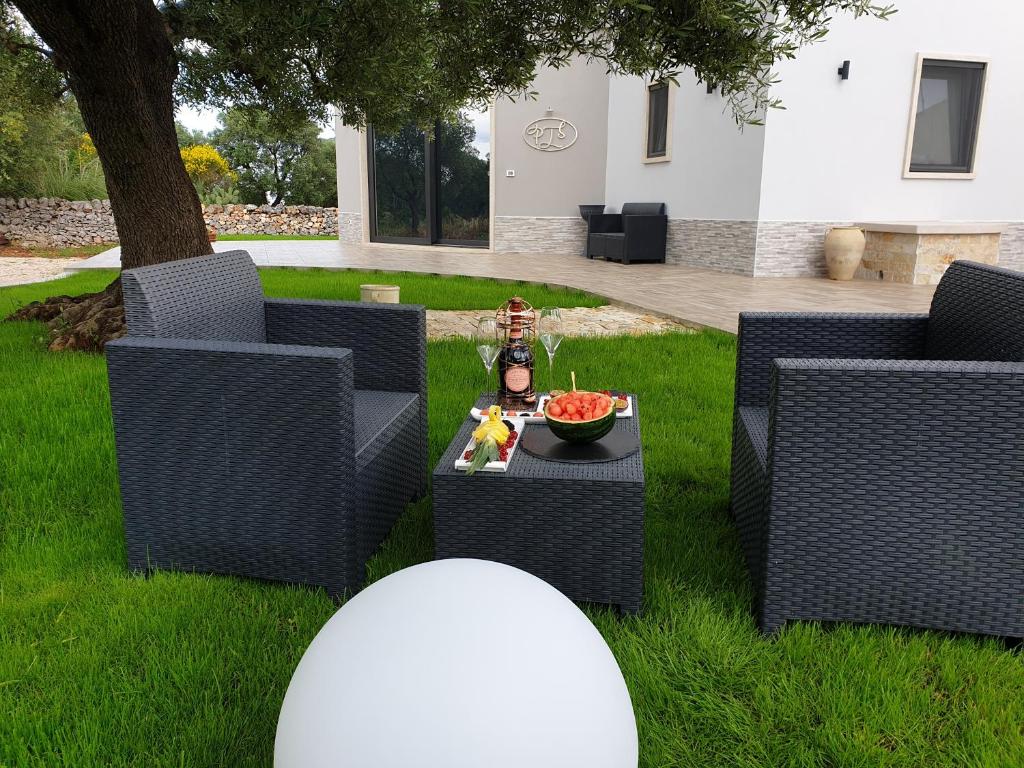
(719, 244)
(270, 220)
(922, 259)
(792, 248)
(1011, 246)
(350, 227)
(56, 223)
(526, 234)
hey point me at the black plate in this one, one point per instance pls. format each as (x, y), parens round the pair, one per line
(542, 443)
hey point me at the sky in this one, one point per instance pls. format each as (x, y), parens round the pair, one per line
(205, 120)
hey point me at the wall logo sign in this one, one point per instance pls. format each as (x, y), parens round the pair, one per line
(550, 134)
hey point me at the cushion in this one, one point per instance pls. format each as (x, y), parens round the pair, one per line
(643, 209)
(217, 297)
(977, 313)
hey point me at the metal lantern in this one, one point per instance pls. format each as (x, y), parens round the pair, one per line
(517, 315)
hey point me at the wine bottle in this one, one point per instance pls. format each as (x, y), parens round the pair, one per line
(515, 364)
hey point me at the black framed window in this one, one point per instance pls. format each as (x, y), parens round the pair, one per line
(946, 117)
(657, 120)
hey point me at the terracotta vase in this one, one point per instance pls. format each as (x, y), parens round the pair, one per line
(844, 248)
(212, 233)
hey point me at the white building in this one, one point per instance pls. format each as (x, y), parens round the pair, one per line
(925, 132)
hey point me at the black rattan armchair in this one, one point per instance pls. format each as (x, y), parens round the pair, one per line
(271, 438)
(878, 461)
(637, 234)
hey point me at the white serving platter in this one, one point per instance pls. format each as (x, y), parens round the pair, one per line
(542, 401)
(494, 466)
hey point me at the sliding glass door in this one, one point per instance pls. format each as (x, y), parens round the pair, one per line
(429, 188)
(398, 186)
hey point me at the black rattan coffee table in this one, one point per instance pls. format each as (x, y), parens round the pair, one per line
(580, 527)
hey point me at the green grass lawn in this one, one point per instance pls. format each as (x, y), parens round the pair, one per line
(431, 291)
(98, 667)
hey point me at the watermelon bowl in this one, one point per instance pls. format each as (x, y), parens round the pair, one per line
(580, 417)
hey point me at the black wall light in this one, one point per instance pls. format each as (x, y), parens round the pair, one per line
(844, 71)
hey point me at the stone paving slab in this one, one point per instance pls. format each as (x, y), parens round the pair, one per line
(697, 297)
(577, 321)
(15, 270)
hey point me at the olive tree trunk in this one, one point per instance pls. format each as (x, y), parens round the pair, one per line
(120, 65)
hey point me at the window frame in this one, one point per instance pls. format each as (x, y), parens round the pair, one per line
(953, 59)
(669, 122)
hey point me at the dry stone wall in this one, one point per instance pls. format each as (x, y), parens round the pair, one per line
(56, 223)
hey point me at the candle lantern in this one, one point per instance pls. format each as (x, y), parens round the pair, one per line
(517, 327)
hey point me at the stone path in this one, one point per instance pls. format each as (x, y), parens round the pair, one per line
(15, 270)
(696, 297)
(578, 321)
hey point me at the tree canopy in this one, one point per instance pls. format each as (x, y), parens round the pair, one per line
(285, 159)
(389, 62)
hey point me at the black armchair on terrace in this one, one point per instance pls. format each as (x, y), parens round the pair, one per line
(878, 461)
(271, 438)
(638, 234)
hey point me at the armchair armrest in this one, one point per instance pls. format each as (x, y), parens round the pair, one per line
(764, 336)
(389, 341)
(604, 222)
(898, 485)
(279, 396)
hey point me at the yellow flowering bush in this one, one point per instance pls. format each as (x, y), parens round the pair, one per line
(86, 149)
(205, 166)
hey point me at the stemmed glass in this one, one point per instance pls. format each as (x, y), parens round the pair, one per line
(551, 334)
(487, 344)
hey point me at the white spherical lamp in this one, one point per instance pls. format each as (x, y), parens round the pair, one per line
(457, 664)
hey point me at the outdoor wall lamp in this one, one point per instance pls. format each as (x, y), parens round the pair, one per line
(844, 71)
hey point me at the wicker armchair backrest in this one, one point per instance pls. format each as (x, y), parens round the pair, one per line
(977, 314)
(216, 297)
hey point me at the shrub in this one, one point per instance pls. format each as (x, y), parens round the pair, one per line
(66, 175)
(206, 167)
(219, 195)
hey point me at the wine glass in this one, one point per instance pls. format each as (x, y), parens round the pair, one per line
(487, 343)
(551, 334)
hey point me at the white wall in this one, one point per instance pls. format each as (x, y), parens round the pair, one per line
(715, 170)
(347, 152)
(552, 183)
(836, 153)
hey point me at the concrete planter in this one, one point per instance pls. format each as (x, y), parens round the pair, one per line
(844, 248)
(379, 294)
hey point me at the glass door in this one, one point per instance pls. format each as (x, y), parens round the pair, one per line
(397, 170)
(463, 185)
(430, 188)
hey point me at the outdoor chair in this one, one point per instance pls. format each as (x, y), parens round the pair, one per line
(636, 234)
(271, 438)
(878, 461)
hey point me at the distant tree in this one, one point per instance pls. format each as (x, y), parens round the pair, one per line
(188, 137)
(315, 180)
(387, 62)
(265, 152)
(30, 107)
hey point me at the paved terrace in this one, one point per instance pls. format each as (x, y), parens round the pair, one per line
(696, 297)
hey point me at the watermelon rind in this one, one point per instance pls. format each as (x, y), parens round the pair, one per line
(580, 432)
